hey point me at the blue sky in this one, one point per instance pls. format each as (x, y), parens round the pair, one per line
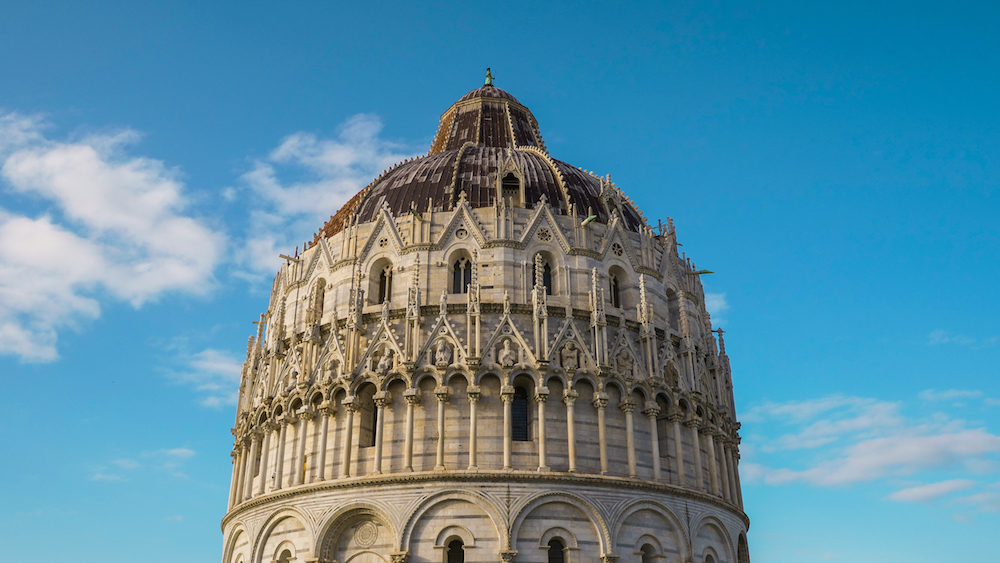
(836, 165)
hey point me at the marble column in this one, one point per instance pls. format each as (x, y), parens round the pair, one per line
(279, 457)
(507, 395)
(600, 403)
(699, 481)
(412, 398)
(233, 484)
(651, 411)
(474, 393)
(300, 457)
(240, 470)
(264, 451)
(720, 446)
(569, 397)
(443, 393)
(675, 420)
(349, 404)
(541, 396)
(251, 462)
(327, 409)
(627, 406)
(713, 467)
(381, 399)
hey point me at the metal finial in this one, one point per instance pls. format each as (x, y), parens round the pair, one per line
(489, 77)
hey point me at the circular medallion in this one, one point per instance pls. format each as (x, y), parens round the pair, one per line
(383, 242)
(366, 534)
(544, 235)
(617, 249)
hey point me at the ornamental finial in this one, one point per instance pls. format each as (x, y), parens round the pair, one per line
(489, 77)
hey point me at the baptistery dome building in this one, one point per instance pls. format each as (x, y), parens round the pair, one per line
(487, 355)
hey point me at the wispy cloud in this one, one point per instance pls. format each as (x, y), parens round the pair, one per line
(106, 477)
(949, 395)
(304, 180)
(214, 374)
(717, 306)
(862, 440)
(114, 224)
(930, 492)
(938, 337)
(170, 460)
(984, 502)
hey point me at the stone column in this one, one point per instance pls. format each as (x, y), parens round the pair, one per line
(736, 472)
(233, 484)
(699, 481)
(474, 393)
(569, 397)
(541, 395)
(713, 467)
(651, 411)
(442, 393)
(264, 450)
(345, 470)
(720, 446)
(600, 403)
(241, 458)
(412, 398)
(279, 457)
(248, 480)
(300, 457)
(380, 398)
(675, 419)
(627, 406)
(507, 395)
(327, 409)
(731, 468)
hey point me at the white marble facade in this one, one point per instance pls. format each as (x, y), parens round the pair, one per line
(502, 383)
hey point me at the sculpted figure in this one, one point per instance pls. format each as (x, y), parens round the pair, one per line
(570, 356)
(507, 357)
(624, 363)
(385, 362)
(443, 353)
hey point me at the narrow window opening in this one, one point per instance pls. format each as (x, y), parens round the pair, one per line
(456, 551)
(385, 285)
(648, 554)
(461, 276)
(546, 277)
(616, 298)
(556, 553)
(519, 415)
(285, 556)
(510, 189)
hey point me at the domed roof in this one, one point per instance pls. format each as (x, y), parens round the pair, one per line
(485, 131)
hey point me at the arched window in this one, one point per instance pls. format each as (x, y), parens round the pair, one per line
(546, 276)
(385, 285)
(556, 553)
(709, 558)
(285, 556)
(456, 551)
(510, 190)
(519, 415)
(368, 414)
(648, 553)
(461, 276)
(616, 297)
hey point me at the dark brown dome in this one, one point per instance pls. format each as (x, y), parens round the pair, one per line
(482, 132)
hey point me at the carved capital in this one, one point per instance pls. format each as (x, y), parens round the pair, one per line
(570, 396)
(412, 396)
(600, 400)
(399, 556)
(693, 422)
(609, 558)
(307, 414)
(507, 393)
(651, 409)
(443, 393)
(542, 394)
(627, 405)
(675, 415)
(328, 408)
(474, 393)
(381, 399)
(507, 555)
(350, 403)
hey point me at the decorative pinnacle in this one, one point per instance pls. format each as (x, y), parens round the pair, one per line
(489, 77)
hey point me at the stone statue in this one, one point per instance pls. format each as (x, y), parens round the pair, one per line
(274, 479)
(625, 363)
(443, 353)
(569, 356)
(385, 362)
(507, 357)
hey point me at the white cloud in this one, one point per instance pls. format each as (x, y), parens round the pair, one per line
(126, 463)
(949, 395)
(106, 477)
(175, 518)
(987, 502)
(937, 337)
(931, 491)
(305, 180)
(213, 373)
(716, 305)
(115, 225)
